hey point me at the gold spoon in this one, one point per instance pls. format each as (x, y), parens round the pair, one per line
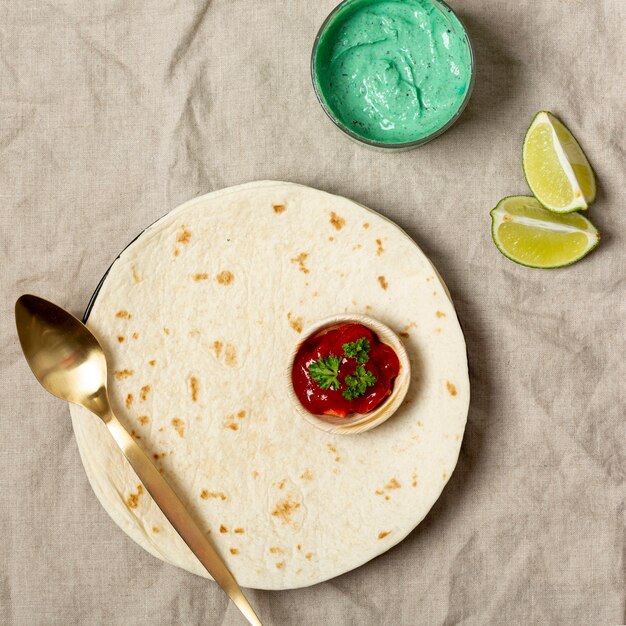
(68, 361)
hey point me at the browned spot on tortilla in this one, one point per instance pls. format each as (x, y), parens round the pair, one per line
(166, 330)
(230, 355)
(156, 456)
(299, 546)
(241, 414)
(135, 336)
(120, 338)
(152, 362)
(225, 277)
(357, 246)
(331, 238)
(232, 426)
(281, 484)
(383, 534)
(133, 433)
(176, 251)
(276, 550)
(156, 529)
(414, 480)
(308, 556)
(307, 475)
(201, 276)
(279, 208)
(300, 260)
(122, 374)
(379, 247)
(404, 334)
(316, 294)
(410, 325)
(337, 221)
(133, 498)
(332, 449)
(451, 388)
(179, 426)
(161, 429)
(434, 293)
(280, 565)
(124, 315)
(390, 486)
(383, 282)
(255, 474)
(234, 551)
(217, 346)
(183, 235)
(194, 333)
(366, 225)
(143, 393)
(444, 475)
(129, 400)
(239, 531)
(143, 419)
(295, 323)
(440, 314)
(223, 529)
(205, 494)
(284, 509)
(194, 386)
(136, 277)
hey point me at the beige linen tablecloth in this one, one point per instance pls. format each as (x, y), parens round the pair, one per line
(114, 112)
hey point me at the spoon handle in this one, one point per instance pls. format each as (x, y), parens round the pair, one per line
(179, 517)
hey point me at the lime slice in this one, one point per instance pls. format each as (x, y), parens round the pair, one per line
(529, 234)
(555, 166)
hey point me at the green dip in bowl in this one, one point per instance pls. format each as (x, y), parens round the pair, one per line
(393, 73)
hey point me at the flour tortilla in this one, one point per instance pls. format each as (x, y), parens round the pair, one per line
(198, 317)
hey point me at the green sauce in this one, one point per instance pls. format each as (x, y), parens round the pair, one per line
(393, 71)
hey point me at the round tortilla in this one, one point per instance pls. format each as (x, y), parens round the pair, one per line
(198, 317)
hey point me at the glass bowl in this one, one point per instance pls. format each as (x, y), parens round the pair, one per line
(337, 14)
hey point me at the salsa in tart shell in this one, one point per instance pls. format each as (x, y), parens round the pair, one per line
(344, 371)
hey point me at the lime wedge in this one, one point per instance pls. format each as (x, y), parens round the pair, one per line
(529, 234)
(555, 166)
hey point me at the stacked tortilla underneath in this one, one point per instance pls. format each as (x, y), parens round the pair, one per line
(198, 318)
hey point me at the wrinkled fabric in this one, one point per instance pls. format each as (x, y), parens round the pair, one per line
(112, 113)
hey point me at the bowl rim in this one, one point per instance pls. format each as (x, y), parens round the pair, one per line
(356, 422)
(407, 145)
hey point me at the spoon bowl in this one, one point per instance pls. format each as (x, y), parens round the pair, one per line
(63, 354)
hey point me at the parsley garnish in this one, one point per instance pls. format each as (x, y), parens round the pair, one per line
(324, 372)
(357, 385)
(359, 350)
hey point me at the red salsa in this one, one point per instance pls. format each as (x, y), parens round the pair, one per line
(342, 371)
